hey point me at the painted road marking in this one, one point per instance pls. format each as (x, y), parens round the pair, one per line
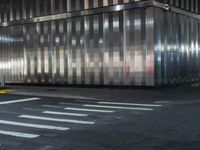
(9, 112)
(5, 91)
(56, 119)
(91, 110)
(52, 106)
(116, 107)
(130, 104)
(19, 101)
(33, 125)
(64, 113)
(19, 134)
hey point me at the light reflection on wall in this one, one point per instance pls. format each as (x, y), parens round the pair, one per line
(102, 49)
(6, 39)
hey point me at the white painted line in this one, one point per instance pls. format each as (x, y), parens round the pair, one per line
(64, 113)
(130, 104)
(90, 110)
(19, 134)
(116, 107)
(9, 112)
(19, 101)
(56, 119)
(32, 125)
(52, 106)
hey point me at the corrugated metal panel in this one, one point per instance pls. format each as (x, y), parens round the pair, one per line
(25, 9)
(176, 48)
(143, 47)
(189, 5)
(102, 49)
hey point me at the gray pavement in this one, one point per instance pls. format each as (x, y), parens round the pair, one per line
(100, 119)
(181, 94)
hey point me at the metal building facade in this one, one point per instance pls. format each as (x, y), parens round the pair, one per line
(99, 42)
(177, 42)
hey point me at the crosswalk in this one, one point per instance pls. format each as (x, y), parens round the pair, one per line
(65, 115)
(130, 104)
(39, 126)
(89, 110)
(119, 107)
(56, 119)
(20, 100)
(18, 134)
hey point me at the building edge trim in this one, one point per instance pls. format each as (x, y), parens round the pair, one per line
(94, 11)
(171, 8)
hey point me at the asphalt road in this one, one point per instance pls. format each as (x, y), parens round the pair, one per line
(41, 123)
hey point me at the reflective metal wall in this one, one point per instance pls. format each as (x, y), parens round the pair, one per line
(188, 5)
(177, 50)
(137, 45)
(103, 49)
(11, 10)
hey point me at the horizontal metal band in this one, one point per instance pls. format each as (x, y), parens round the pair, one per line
(94, 11)
(175, 9)
(108, 9)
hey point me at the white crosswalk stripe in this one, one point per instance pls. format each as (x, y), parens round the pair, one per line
(19, 134)
(116, 107)
(130, 104)
(19, 101)
(89, 110)
(64, 113)
(14, 123)
(56, 119)
(60, 114)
